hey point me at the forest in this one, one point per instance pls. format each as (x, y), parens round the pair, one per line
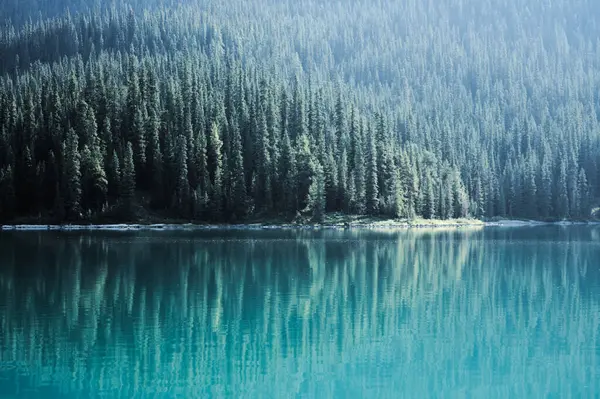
(225, 111)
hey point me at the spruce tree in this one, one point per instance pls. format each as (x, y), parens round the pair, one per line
(399, 197)
(263, 190)
(429, 203)
(95, 183)
(114, 176)
(372, 185)
(183, 199)
(155, 160)
(128, 185)
(360, 171)
(545, 192)
(238, 182)
(560, 192)
(343, 177)
(316, 192)
(72, 176)
(214, 153)
(305, 170)
(583, 208)
(288, 173)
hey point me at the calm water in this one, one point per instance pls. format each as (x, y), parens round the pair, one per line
(494, 313)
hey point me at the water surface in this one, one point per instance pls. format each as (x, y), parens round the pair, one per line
(493, 313)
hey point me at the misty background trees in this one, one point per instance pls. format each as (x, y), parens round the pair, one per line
(219, 111)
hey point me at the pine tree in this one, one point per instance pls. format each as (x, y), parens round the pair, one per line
(583, 208)
(372, 186)
(545, 192)
(399, 198)
(155, 160)
(238, 183)
(331, 175)
(385, 165)
(128, 185)
(264, 193)
(560, 192)
(113, 174)
(25, 183)
(316, 192)
(359, 172)
(201, 162)
(95, 183)
(429, 204)
(183, 199)
(214, 153)
(139, 144)
(446, 193)
(460, 197)
(409, 180)
(72, 176)
(351, 195)
(343, 199)
(289, 177)
(305, 170)
(479, 198)
(531, 191)
(86, 126)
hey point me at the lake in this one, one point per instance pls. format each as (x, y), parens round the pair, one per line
(473, 312)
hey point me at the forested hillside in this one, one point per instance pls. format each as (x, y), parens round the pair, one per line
(224, 110)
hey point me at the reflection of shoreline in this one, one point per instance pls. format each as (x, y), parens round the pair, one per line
(354, 225)
(201, 227)
(157, 309)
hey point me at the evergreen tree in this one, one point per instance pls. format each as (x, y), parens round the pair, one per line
(263, 189)
(72, 176)
(545, 192)
(155, 160)
(114, 176)
(305, 170)
(582, 206)
(238, 188)
(560, 192)
(289, 176)
(460, 197)
(400, 210)
(214, 152)
(429, 205)
(25, 183)
(316, 192)
(183, 195)
(372, 185)
(128, 185)
(343, 196)
(95, 183)
(359, 171)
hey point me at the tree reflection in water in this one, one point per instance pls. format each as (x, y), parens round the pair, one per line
(503, 313)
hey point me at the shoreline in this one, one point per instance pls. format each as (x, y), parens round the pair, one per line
(367, 224)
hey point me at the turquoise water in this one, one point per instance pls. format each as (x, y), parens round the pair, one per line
(492, 313)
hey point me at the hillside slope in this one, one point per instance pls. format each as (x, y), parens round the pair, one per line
(218, 111)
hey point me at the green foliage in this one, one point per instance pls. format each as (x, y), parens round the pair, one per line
(221, 119)
(216, 192)
(127, 185)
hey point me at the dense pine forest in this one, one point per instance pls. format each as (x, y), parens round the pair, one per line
(220, 111)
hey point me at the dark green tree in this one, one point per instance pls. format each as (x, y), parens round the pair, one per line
(72, 176)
